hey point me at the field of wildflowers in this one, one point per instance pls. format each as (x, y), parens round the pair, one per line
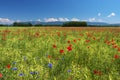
(59, 53)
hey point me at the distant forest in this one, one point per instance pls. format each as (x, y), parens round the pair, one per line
(64, 24)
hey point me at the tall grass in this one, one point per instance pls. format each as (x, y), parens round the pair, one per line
(59, 54)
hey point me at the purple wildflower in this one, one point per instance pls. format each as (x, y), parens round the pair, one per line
(69, 71)
(50, 65)
(14, 68)
(21, 74)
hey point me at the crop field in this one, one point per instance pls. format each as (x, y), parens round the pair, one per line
(60, 53)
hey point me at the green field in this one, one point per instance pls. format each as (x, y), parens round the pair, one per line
(59, 54)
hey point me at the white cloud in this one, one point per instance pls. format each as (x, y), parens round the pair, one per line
(5, 21)
(91, 19)
(99, 14)
(55, 19)
(112, 14)
(18, 21)
(66, 19)
(63, 19)
(95, 20)
(38, 20)
(84, 20)
(100, 20)
(75, 19)
(50, 19)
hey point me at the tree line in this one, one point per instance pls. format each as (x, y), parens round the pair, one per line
(65, 24)
(74, 24)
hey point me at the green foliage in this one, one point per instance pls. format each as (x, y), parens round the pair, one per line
(24, 24)
(32, 56)
(74, 24)
(37, 25)
(3, 25)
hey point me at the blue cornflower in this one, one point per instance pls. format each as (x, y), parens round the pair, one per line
(69, 70)
(50, 65)
(14, 68)
(14, 62)
(32, 73)
(21, 74)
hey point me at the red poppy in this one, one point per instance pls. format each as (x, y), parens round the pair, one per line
(54, 46)
(61, 51)
(58, 33)
(89, 35)
(49, 56)
(108, 42)
(87, 41)
(74, 40)
(115, 46)
(113, 43)
(68, 41)
(69, 48)
(36, 34)
(8, 66)
(64, 34)
(97, 72)
(70, 45)
(81, 35)
(0, 75)
(118, 49)
(116, 56)
(79, 39)
(88, 47)
(94, 38)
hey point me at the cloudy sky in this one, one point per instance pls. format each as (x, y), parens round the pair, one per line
(60, 10)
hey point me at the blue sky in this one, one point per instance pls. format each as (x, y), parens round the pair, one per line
(60, 10)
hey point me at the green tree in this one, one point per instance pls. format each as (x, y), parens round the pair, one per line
(24, 24)
(74, 24)
(37, 25)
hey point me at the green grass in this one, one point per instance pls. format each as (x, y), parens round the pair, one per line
(30, 51)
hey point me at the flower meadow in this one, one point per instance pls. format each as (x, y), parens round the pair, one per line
(59, 53)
